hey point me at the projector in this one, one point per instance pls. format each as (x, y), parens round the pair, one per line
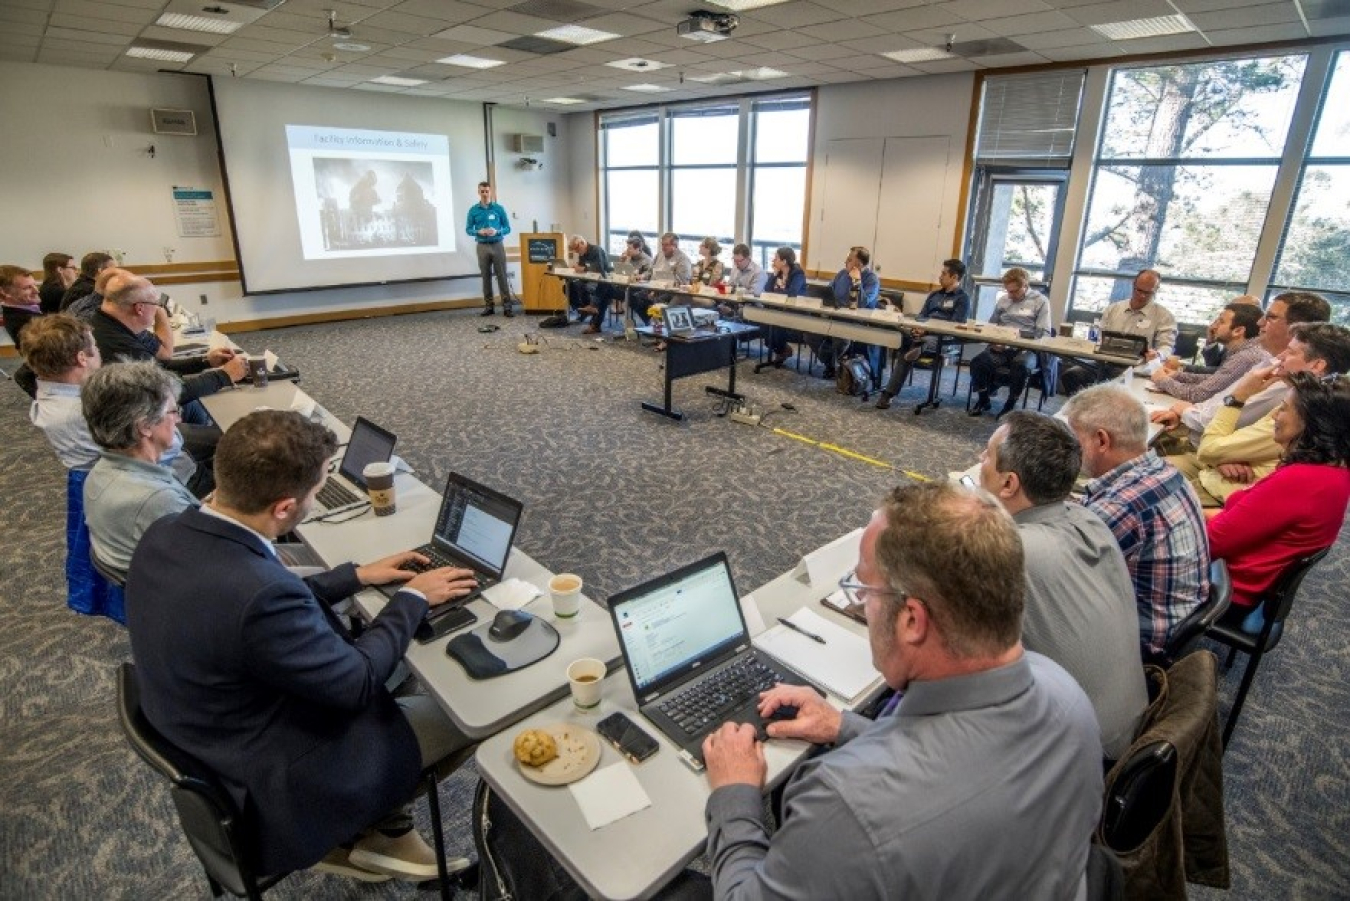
(707, 27)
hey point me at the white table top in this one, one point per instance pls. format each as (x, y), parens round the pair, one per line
(672, 830)
(482, 708)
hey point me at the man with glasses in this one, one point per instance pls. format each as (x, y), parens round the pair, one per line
(1140, 315)
(935, 798)
(132, 413)
(122, 328)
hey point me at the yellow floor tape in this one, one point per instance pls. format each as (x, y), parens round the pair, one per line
(854, 455)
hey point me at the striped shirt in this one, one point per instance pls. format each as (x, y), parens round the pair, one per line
(1156, 518)
(1196, 386)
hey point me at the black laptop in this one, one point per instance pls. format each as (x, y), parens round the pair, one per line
(474, 530)
(688, 654)
(347, 489)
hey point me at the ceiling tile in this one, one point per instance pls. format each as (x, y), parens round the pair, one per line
(843, 30)
(419, 26)
(515, 23)
(792, 15)
(978, 10)
(1228, 37)
(1247, 16)
(472, 34)
(1034, 23)
(911, 19)
(1120, 11)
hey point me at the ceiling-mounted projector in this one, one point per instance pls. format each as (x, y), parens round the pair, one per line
(707, 27)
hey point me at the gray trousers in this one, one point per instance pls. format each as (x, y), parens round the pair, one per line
(490, 255)
(437, 739)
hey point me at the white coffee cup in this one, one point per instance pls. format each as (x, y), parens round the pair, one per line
(585, 677)
(566, 591)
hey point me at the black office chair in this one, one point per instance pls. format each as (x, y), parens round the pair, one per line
(215, 828)
(1275, 607)
(208, 815)
(948, 352)
(1199, 620)
(1044, 379)
(1188, 341)
(1139, 797)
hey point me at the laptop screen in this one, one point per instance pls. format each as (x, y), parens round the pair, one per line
(477, 524)
(368, 444)
(679, 621)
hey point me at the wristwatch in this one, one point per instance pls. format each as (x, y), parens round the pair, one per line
(1231, 401)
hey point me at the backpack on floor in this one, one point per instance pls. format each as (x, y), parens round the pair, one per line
(854, 378)
(512, 864)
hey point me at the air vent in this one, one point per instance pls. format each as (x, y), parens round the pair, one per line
(541, 46)
(558, 10)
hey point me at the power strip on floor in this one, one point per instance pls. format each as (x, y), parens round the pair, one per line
(744, 415)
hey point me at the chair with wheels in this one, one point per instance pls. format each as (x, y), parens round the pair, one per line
(1275, 606)
(1045, 379)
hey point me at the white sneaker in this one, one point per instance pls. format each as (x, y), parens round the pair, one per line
(404, 856)
(338, 863)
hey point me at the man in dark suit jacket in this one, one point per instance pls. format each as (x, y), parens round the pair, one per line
(244, 666)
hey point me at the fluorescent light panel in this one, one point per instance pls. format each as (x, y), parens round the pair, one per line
(576, 34)
(646, 88)
(743, 5)
(918, 55)
(164, 56)
(638, 64)
(198, 23)
(562, 101)
(1144, 28)
(398, 81)
(471, 62)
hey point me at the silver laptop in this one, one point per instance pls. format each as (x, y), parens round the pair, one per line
(689, 657)
(624, 269)
(346, 489)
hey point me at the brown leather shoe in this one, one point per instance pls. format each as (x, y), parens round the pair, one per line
(884, 402)
(591, 330)
(587, 310)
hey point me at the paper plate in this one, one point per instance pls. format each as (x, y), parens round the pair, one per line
(578, 753)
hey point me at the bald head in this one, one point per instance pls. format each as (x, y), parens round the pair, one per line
(127, 288)
(106, 275)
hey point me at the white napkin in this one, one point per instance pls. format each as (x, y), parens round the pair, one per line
(609, 794)
(303, 404)
(511, 594)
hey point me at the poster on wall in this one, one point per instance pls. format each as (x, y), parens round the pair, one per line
(195, 211)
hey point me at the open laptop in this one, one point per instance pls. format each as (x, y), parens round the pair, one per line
(1125, 344)
(688, 654)
(624, 269)
(346, 489)
(474, 530)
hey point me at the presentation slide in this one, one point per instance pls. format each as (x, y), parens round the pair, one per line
(331, 187)
(370, 193)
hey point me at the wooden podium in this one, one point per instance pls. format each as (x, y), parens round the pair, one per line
(541, 292)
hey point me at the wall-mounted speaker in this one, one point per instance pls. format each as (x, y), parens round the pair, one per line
(173, 121)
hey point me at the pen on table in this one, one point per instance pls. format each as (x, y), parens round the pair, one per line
(799, 630)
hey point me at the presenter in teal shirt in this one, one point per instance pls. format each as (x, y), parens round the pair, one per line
(488, 224)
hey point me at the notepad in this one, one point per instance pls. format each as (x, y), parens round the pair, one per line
(842, 665)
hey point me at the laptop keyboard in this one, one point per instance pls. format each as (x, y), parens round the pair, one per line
(707, 701)
(438, 560)
(334, 494)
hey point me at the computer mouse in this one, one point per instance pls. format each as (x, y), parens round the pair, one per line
(784, 712)
(508, 624)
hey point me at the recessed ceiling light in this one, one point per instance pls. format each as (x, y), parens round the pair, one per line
(398, 81)
(918, 55)
(164, 56)
(562, 101)
(743, 5)
(1144, 28)
(638, 64)
(576, 34)
(646, 88)
(763, 73)
(470, 62)
(198, 23)
(350, 46)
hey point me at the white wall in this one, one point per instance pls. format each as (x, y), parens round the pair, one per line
(76, 177)
(918, 181)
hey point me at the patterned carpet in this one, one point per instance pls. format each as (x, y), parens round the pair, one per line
(617, 495)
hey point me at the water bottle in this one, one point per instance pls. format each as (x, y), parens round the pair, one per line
(1095, 332)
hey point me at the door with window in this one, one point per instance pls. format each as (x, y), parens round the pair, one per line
(1016, 222)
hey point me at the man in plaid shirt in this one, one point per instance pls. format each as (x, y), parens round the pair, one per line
(1149, 507)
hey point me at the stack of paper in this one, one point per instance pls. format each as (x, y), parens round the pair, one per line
(842, 664)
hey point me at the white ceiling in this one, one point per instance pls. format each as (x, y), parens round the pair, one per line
(815, 42)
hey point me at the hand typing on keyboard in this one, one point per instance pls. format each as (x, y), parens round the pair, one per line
(439, 584)
(816, 721)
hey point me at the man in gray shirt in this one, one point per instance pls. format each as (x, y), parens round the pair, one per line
(1080, 608)
(984, 781)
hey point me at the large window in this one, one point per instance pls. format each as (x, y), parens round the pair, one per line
(1186, 163)
(1315, 252)
(782, 146)
(632, 153)
(686, 169)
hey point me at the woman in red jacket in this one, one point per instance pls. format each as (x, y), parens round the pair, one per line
(1300, 507)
